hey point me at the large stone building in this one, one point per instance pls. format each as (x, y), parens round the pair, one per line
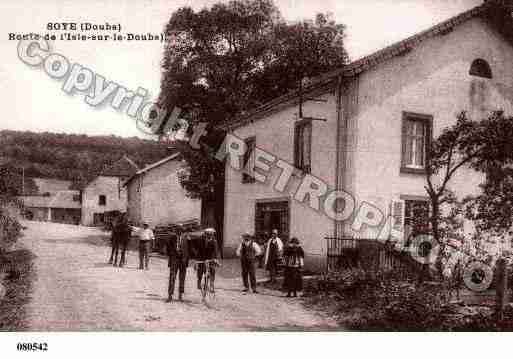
(155, 195)
(378, 114)
(105, 193)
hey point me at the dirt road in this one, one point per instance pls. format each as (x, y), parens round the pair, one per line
(76, 289)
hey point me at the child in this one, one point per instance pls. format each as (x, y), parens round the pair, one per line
(294, 261)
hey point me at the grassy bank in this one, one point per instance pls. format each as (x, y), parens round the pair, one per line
(18, 274)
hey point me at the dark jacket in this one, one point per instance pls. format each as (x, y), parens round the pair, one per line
(176, 254)
(207, 250)
(123, 232)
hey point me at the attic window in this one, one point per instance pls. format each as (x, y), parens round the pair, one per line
(480, 68)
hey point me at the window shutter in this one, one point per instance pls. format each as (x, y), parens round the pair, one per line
(404, 160)
(307, 147)
(397, 210)
(297, 141)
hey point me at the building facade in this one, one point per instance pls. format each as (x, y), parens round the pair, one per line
(106, 193)
(156, 197)
(60, 207)
(366, 133)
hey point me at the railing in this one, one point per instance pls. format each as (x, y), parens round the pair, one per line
(369, 254)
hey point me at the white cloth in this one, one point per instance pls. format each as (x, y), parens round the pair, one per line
(145, 234)
(268, 246)
(256, 248)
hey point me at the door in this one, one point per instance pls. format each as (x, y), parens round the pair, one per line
(269, 216)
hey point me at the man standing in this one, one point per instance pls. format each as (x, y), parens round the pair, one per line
(145, 237)
(273, 255)
(248, 250)
(178, 252)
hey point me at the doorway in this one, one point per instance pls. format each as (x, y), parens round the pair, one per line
(272, 215)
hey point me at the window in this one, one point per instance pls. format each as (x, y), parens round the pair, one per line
(76, 198)
(416, 218)
(415, 212)
(480, 68)
(102, 200)
(249, 161)
(303, 145)
(415, 141)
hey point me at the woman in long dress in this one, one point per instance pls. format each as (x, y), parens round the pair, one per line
(293, 256)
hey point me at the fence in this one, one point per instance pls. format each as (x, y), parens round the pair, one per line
(370, 254)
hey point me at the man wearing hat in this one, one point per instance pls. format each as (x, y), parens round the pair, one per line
(178, 252)
(248, 250)
(273, 255)
(145, 237)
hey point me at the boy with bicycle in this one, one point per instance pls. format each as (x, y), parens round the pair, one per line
(207, 251)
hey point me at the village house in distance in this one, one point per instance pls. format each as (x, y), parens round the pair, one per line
(377, 116)
(105, 193)
(155, 196)
(53, 202)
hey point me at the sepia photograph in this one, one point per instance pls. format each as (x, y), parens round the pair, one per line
(235, 166)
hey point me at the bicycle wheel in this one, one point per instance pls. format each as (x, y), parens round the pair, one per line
(204, 288)
(211, 290)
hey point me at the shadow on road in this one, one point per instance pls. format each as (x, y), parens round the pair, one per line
(102, 265)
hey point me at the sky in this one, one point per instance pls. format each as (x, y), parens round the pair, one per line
(33, 101)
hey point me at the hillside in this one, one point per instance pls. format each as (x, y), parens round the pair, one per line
(72, 157)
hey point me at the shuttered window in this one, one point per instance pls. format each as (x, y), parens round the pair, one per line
(303, 145)
(249, 161)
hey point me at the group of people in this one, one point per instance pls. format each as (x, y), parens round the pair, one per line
(180, 249)
(120, 237)
(290, 257)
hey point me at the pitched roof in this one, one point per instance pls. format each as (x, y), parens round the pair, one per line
(497, 12)
(152, 166)
(51, 185)
(124, 167)
(60, 199)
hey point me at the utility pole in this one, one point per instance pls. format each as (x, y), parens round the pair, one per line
(22, 180)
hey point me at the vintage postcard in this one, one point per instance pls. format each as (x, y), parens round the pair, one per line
(255, 166)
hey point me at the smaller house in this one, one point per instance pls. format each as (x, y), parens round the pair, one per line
(106, 194)
(61, 207)
(156, 196)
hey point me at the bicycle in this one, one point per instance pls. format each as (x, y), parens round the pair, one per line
(207, 282)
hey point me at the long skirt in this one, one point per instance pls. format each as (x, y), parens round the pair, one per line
(293, 279)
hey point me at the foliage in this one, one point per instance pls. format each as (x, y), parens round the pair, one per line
(17, 267)
(492, 209)
(484, 146)
(72, 157)
(10, 228)
(368, 300)
(382, 301)
(222, 61)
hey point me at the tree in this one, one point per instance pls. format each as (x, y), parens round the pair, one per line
(10, 228)
(221, 62)
(483, 146)
(492, 209)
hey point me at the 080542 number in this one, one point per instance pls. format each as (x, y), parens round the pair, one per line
(32, 347)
